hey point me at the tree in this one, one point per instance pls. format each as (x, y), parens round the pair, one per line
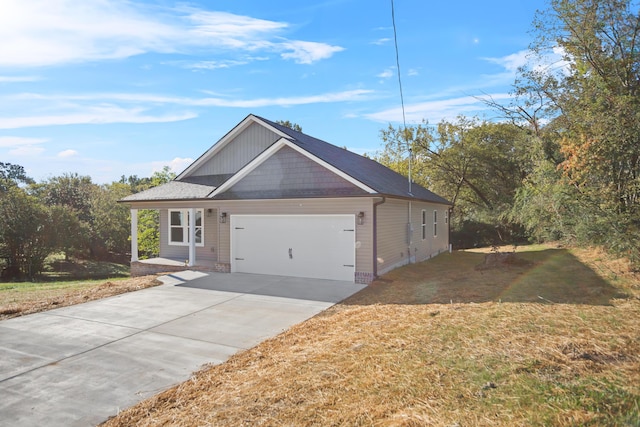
(594, 105)
(477, 165)
(290, 125)
(149, 219)
(111, 220)
(11, 175)
(27, 234)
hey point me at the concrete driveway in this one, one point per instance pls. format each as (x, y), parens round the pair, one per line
(78, 365)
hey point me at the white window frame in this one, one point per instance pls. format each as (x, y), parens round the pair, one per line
(435, 223)
(424, 224)
(446, 216)
(185, 227)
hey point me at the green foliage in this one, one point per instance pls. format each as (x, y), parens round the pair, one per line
(27, 234)
(290, 125)
(12, 175)
(593, 105)
(111, 220)
(149, 219)
(477, 165)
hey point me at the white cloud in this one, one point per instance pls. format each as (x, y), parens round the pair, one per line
(176, 165)
(308, 52)
(386, 74)
(435, 111)
(67, 153)
(18, 141)
(512, 62)
(413, 72)
(27, 150)
(381, 41)
(214, 65)
(18, 79)
(92, 115)
(54, 32)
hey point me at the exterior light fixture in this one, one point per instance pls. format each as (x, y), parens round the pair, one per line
(360, 218)
(223, 217)
(209, 212)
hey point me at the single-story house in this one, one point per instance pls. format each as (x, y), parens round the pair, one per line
(270, 200)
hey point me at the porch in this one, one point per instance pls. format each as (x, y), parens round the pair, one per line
(143, 267)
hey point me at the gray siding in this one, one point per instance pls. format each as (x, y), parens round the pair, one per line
(204, 254)
(394, 248)
(238, 152)
(288, 173)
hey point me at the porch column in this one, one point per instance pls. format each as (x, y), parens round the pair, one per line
(192, 237)
(134, 235)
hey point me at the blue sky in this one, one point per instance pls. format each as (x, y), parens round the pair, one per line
(108, 87)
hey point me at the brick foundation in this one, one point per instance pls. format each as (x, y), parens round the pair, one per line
(364, 278)
(141, 268)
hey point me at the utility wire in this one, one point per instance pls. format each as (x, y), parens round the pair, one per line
(404, 120)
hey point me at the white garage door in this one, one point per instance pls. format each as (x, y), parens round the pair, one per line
(316, 246)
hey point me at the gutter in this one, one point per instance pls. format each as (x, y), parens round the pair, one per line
(375, 236)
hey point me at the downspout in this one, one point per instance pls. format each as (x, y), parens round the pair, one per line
(409, 233)
(375, 236)
(450, 208)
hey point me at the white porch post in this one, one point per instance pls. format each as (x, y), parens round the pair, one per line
(192, 237)
(134, 235)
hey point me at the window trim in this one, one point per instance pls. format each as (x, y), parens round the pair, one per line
(424, 224)
(435, 223)
(185, 227)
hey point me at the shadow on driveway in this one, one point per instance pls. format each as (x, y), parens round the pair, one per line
(274, 286)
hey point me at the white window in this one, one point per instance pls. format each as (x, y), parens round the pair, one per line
(446, 216)
(179, 227)
(424, 224)
(435, 223)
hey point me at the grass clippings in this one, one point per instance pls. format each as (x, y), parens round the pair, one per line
(20, 298)
(398, 354)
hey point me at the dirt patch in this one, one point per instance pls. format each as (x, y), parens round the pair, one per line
(21, 303)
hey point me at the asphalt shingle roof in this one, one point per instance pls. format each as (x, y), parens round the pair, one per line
(369, 172)
(374, 175)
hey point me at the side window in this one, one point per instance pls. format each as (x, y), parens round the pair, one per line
(435, 223)
(446, 216)
(424, 224)
(177, 224)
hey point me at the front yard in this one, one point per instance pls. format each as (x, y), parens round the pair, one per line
(554, 340)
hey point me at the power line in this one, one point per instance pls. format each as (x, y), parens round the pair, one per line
(404, 120)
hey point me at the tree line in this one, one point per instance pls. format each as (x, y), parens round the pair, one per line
(562, 162)
(69, 214)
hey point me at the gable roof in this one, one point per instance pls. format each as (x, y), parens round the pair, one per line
(365, 173)
(369, 172)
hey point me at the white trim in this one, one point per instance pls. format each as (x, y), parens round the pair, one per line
(230, 136)
(186, 212)
(191, 224)
(134, 235)
(423, 224)
(282, 142)
(435, 223)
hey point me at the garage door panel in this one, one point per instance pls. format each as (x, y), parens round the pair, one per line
(317, 246)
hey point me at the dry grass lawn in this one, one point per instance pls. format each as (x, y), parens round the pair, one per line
(20, 298)
(555, 341)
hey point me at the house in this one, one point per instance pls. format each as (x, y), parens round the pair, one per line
(270, 200)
